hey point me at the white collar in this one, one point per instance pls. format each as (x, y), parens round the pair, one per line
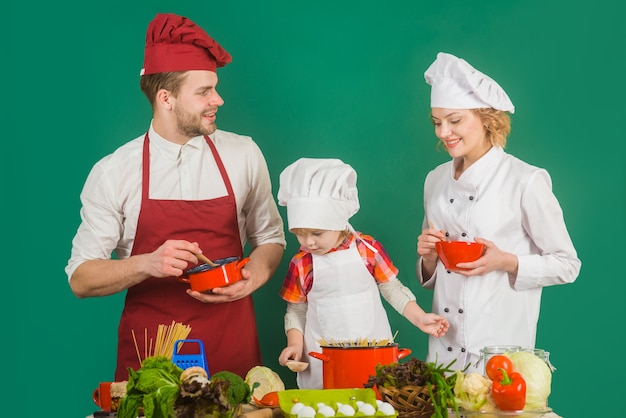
(475, 173)
(170, 149)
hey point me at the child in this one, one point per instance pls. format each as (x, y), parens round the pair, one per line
(334, 282)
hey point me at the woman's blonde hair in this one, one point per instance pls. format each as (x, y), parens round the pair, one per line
(497, 125)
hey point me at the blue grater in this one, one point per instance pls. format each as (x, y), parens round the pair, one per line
(184, 361)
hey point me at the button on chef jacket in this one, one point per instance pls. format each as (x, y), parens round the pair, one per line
(509, 202)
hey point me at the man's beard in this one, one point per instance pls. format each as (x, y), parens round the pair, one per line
(190, 125)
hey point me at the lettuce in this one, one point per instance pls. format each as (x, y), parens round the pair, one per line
(154, 387)
(538, 378)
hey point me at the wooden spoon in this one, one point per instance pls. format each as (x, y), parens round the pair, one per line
(296, 366)
(433, 227)
(206, 260)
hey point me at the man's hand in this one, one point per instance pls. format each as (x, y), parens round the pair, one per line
(264, 260)
(172, 258)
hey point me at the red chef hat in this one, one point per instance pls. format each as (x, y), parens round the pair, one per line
(175, 43)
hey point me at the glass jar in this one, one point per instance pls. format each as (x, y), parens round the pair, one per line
(542, 354)
(491, 350)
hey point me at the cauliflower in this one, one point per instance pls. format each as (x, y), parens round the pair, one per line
(473, 392)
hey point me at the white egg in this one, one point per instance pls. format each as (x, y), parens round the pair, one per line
(386, 408)
(347, 410)
(359, 403)
(326, 410)
(378, 402)
(306, 412)
(367, 409)
(296, 408)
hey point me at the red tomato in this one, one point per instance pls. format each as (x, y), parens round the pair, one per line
(495, 363)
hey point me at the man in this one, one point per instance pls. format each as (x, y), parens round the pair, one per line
(181, 189)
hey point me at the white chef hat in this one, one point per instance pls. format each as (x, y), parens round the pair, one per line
(458, 85)
(319, 193)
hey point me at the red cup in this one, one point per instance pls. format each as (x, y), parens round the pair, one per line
(102, 396)
(204, 278)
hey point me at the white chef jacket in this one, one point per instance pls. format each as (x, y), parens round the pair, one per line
(509, 202)
(111, 196)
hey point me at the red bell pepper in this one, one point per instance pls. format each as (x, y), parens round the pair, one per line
(509, 393)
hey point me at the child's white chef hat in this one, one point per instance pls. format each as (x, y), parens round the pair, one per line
(319, 193)
(458, 85)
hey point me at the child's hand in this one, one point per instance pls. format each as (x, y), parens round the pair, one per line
(289, 353)
(434, 325)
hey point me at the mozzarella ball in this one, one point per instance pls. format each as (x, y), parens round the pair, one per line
(347, 410)
(306, 412)
(326, 410)
(367, 409)
(386, 408)
(296, 408)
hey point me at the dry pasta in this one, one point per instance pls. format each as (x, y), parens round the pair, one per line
(166, 337)
(358, 342)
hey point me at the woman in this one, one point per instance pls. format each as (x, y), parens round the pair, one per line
(486, 195)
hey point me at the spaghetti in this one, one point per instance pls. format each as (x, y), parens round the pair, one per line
(358, 342)
(166, 337)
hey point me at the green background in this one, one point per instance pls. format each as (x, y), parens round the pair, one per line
(317, 78)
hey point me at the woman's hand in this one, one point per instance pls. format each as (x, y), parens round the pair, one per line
(426, 249)
(426, 243)
(494, 259)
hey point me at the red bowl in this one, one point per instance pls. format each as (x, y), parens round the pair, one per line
(453, 252)
(204, 278)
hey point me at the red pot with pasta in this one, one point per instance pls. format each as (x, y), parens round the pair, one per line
(351, 367)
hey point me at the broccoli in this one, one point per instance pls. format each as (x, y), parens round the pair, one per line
(217, 398)
(238, 390)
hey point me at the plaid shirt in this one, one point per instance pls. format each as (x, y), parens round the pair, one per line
(299, 278)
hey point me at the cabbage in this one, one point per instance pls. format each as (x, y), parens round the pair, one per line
(538, 377)
(263, 380)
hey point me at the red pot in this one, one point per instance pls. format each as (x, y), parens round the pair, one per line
(351, 367)
(204, 278)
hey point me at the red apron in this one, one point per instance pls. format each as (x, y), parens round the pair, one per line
(228, 330)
